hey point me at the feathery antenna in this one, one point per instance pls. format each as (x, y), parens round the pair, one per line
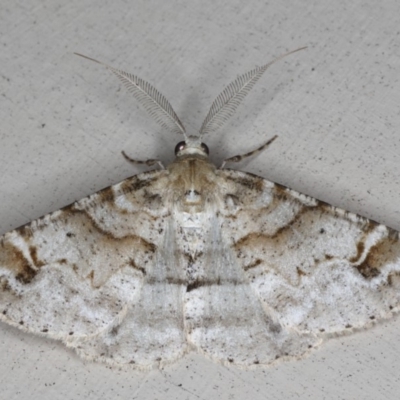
(150, 98)
(229, 100)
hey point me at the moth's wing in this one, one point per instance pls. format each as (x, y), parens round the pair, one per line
(224, 317)
(152, 331)
(321, 269)
(76, 273)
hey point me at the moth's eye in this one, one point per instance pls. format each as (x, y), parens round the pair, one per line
(205, 148)
(179, 147)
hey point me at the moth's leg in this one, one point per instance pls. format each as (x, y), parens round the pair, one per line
(240, 157)
(147, 162)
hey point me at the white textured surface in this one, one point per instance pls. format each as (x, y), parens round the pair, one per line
(335, 108)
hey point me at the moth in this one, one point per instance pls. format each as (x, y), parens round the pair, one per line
(195, 257)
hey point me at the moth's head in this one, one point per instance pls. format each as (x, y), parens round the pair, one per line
(191, 146)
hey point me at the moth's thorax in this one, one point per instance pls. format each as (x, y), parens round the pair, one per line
(192, 182)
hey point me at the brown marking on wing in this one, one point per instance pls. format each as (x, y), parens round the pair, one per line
(392, 234)
(300, 272)
(198, 283)
(325, 206)
(280, 231)
(385, 252)
(107, 195)
(90, 276)
(331, 210)
(25, 230)
(13, 259)
(33, 253)
(251, 182)
(68, 208)
(91, 225)
(135, 266)
(85, 235)
(240, 201)
(394, 279)
(360, 251)
(277, 243)
(281, 191)
(231, 199)
(254, 264)
(152, 201)
(367, 271)
(191, 266)
(367, 230)
(170, 280)
(134, 184)
(5, 287)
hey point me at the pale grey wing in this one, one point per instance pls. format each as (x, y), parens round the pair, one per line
(321, 269)
(152, 332)
(77, 273)
(224, 317)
